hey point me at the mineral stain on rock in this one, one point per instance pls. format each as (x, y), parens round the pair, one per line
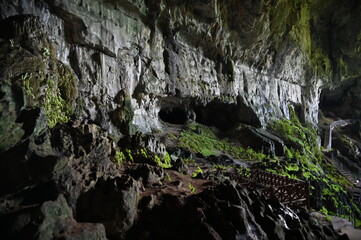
(129, 119)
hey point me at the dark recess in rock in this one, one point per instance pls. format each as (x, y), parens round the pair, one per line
(8, 26)
(225, 116)
(28, 118)
(174, 115)
(344, 100)
(111, 202)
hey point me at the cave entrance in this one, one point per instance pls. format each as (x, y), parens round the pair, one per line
(342, 101)
(220, 115)
(226, 116)
(173, 115)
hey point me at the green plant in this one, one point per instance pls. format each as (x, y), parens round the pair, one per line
(120, 158)
(358, 223)
(45, 51)
(201, 139)
(292, 167)
(220, 167)
(197, 171)
(192, 188)
(189, 161)
(171, 136)
(168, 177)
(244, 172)
(165, 162)
(54, 105)
(129, 155)
(144, 153)
(29, 91)
(323, 210)
(302, 146)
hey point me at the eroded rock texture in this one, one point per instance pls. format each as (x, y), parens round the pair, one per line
(77, 76)
(135, 58)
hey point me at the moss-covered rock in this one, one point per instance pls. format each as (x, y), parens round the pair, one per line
(305, 161)
(37, 79)
(203, 140)
(123, 116)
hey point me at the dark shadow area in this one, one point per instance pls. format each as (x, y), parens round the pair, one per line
(28, 118)
(220, 115)
(111, 202)
(299, 112)
(174, 115)
(344, 101)
(226, 116)
(16, 171)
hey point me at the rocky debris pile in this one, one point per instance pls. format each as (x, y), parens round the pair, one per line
(227, 211)
(85, 195)
(48, 220)
(343, 226)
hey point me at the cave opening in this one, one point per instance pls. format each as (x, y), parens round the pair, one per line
(220, 115)
(216, 113)
(299, 112)
(225, 116)
(342, 101)
(173, 115)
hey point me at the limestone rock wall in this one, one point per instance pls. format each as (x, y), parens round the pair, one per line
(135, 57)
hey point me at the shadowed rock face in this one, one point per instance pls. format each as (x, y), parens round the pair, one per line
(343, 101)
(226, 212)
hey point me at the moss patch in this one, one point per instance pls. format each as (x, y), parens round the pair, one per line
(142, 155)
(305, 161)
(203, 140)
(67, 85)
(54, 105)
(122, 117)
(292, 19)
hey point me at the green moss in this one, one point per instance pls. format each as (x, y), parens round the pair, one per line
(120, 158)
(124, 156)
(168, 177)
(54, 105)
(197, 171)
(301, 31)
(348, 142)
(302, 147)
(67, 84)
(292, 19)
(201, 139)
(143, 155)
(189, 161)
(164, 162)
(28, 89)
(220, 167)
(323, 210)
(192, 188)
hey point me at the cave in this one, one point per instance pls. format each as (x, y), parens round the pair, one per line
(343, 101)
(226, 116)
(148, 119)
(220, 115)
(173, 115)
